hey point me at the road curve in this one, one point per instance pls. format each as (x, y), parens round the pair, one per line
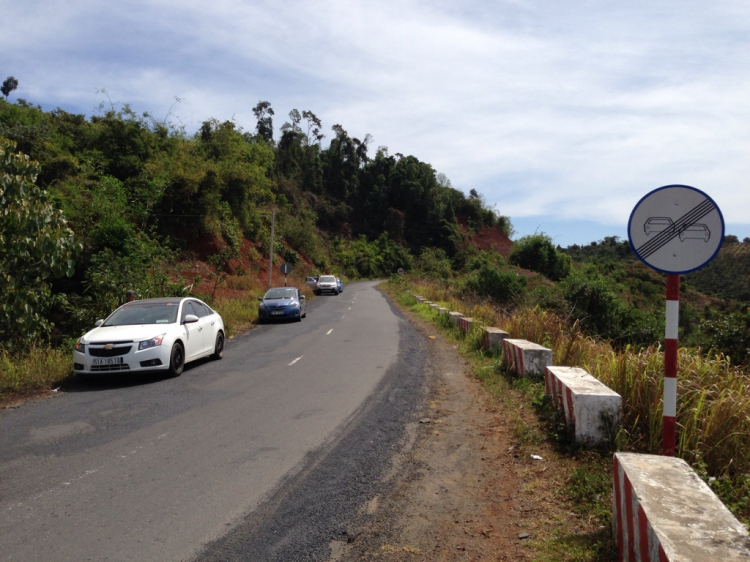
(264, 455)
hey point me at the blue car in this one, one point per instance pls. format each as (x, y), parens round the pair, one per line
(281, 303)
(340, 284)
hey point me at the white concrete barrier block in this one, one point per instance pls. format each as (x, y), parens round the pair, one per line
(591, 410)
(466, 324)
(663, 512)
(493, 337)
(455, 316)
(525, 358)
(443, 310)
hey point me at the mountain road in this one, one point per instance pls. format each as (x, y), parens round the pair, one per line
(264, 455)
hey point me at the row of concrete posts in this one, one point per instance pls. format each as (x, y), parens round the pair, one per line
(662, 511)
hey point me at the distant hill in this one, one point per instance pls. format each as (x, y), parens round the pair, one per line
(728, 274)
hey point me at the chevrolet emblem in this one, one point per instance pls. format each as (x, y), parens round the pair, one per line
(108, 346)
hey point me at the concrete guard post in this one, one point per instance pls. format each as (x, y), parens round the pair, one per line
(466, 324)
(525, 358)
(591, 410)
(493, 337)
(663, 512)
(455, 316)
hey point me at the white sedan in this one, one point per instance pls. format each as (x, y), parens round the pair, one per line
(151, 335)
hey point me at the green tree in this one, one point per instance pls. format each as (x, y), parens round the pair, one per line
(538, 253)
(36, 244)
(264, 114)
(9, 85)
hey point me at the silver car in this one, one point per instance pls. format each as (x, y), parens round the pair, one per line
(327, 284)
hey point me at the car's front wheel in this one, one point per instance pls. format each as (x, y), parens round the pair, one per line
(219, 347)
(176, 360)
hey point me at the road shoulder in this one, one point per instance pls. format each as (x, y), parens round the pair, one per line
(459, 492)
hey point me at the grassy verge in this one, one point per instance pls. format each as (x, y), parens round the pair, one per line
(575, 525)
(713, 410)
(39, 369)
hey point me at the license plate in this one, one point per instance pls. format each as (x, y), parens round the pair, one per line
(277, 313)
(107, 361)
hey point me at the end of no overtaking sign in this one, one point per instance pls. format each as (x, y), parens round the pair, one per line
(676, 229)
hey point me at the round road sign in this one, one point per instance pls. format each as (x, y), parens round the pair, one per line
(676, 229)
(286, 269)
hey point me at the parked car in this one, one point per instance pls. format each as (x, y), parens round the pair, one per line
(327, 284)
(151, 335)
(340, 285)
(282, 303)
(312, 282)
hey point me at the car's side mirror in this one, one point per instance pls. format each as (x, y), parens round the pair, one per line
(302, 297)
(190, 319)
(98, 323)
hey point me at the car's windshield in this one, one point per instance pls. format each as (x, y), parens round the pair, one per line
(280, 293)
(327, 279)
(144, 313)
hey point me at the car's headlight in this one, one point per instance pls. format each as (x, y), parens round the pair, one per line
(261, 305)
(153, 342)
(294, 305)
(80, 347)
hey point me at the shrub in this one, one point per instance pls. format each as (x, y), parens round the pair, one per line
(501, 286)
(601, 312)
(538, 253)
(434, 262)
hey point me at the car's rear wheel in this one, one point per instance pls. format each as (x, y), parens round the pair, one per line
(219, 347)
(176, 360)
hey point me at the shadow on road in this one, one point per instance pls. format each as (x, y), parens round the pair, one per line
(111, 381)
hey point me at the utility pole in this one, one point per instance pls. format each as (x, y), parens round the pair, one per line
(270, 251)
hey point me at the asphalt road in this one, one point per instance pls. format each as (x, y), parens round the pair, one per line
(269, 454)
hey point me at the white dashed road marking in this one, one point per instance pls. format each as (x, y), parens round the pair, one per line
(293, 362)
(329, 331)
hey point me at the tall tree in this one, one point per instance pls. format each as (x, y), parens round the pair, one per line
(264, 114)
(9, 85)
(35, 244)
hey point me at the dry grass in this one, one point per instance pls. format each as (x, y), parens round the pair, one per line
(39, 369)
(713, 417)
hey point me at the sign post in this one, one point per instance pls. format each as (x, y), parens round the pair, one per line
(286, 269)
(674, 229)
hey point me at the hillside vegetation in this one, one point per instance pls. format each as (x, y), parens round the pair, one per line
(96, 206)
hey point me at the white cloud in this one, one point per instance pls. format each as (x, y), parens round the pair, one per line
(568, 109)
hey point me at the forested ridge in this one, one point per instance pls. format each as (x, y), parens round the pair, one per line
(134, 195)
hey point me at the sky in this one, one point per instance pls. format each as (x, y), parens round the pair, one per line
(563, 115)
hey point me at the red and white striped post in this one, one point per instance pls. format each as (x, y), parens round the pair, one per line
(670, 365)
